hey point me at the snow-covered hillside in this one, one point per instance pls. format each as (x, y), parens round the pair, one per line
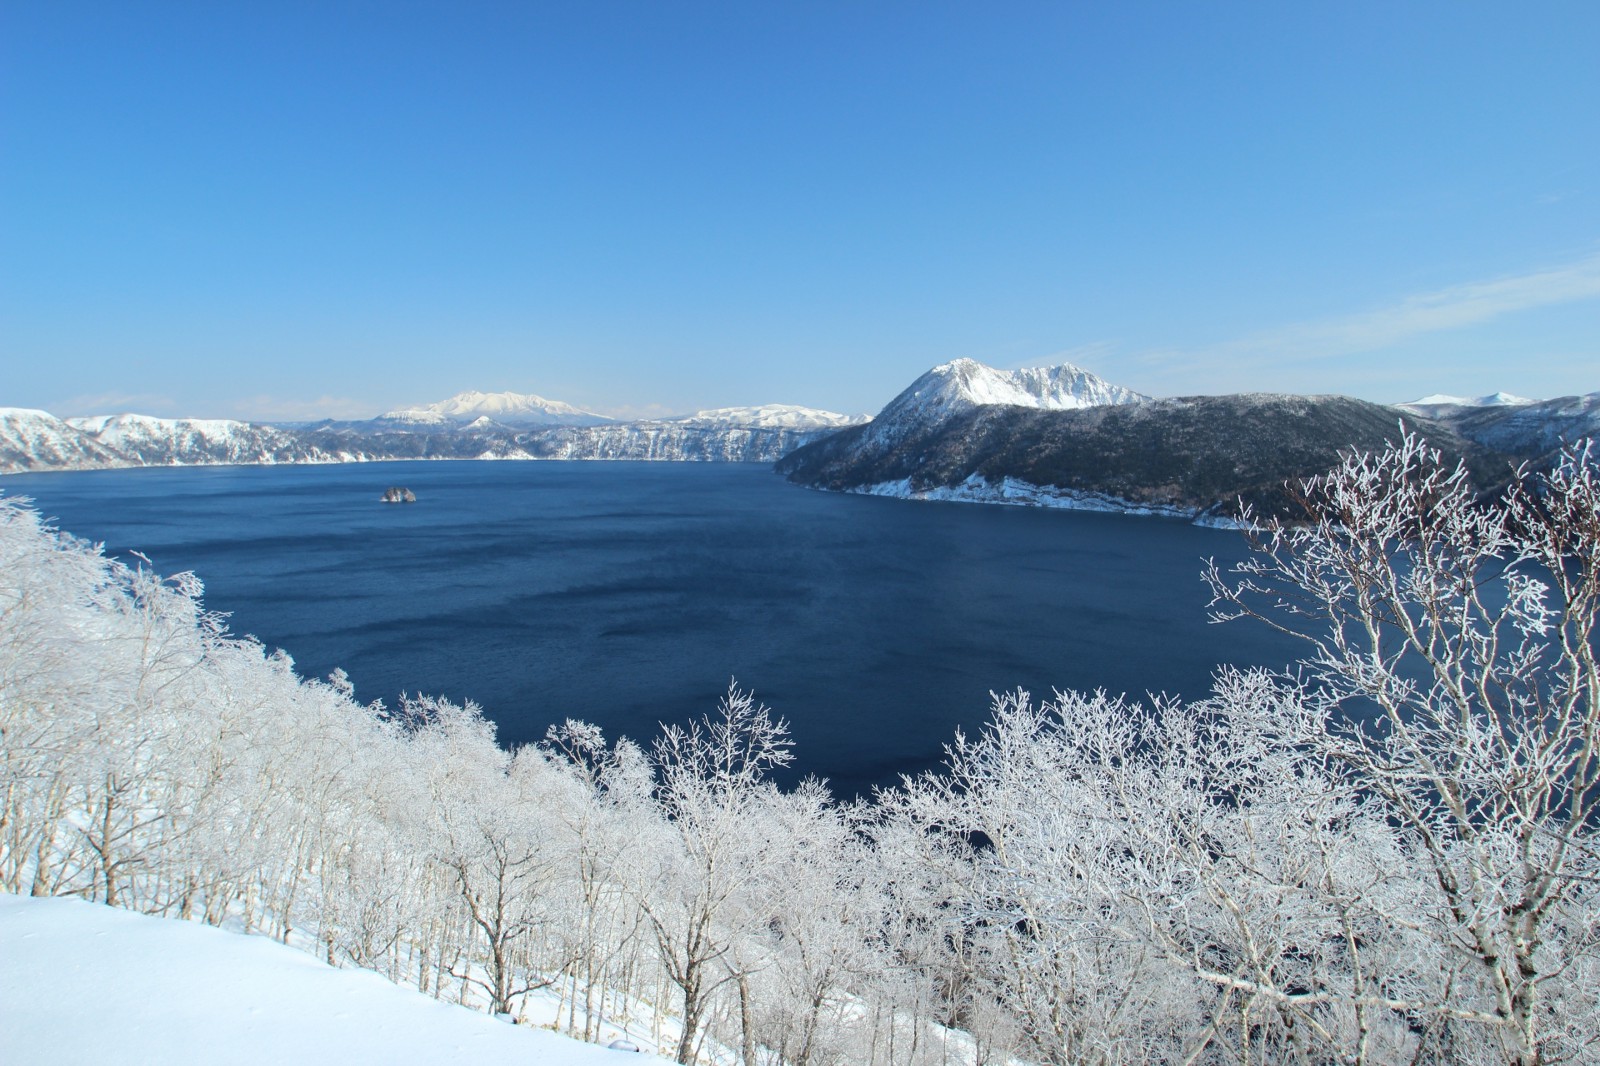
(38, 440)
(504, 408)
(955, 388)
(31, 439)
(966, 383)
(469, 426)
(770, 416)
(1194, 456)
(151, 441)
(85, 983)
(962, 386)
(1441, 403)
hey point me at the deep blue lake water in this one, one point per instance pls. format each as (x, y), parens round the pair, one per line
(628, 594)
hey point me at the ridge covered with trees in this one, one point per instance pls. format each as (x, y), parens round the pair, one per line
(1197, 454)
(1393, 856)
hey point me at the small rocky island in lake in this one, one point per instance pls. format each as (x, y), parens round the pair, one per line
(396, 494)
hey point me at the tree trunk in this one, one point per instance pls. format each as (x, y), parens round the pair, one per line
(746, 1022)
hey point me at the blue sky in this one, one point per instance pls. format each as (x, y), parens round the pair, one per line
(296, 209)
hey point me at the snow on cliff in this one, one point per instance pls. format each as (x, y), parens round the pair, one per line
(90, 984)
(30, 438)
(506, 408)
(185, 441)
(959, 386)
(770, 416)
(967, 383)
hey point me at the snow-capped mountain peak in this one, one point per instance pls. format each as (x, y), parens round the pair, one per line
(1433, 403)
(962, 384)
(506, 408)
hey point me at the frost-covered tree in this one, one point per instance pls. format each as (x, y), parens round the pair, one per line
(1389, 857)
(607, 813)
(713, 882)
(1456, 639)
(487, 810)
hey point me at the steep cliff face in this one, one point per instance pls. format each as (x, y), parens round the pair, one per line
(649, 441)
(144, 441)
(36, 440)
(673, 441)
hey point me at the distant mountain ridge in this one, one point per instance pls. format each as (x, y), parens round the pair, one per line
(1195, 456)
(503, 408)
(471, 425)
(1531, 430)
(967, 432)
(769, 416)
(37, 440)
(1441, 404)
(1052, 436)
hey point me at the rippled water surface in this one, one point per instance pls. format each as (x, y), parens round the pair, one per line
(629, 593)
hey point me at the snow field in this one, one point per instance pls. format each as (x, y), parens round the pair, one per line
(86, 983)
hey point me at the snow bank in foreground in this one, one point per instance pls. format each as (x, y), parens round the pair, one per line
(85, 983)
(977, 489)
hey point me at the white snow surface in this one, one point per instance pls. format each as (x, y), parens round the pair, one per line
(959, 386)
(51, 441)
(1494, 399)
(954, 388)
(85, 983)
(770, 416)
(1018, 493)
(507, 408)
(132, 425)
(967, 382)
(131, 432)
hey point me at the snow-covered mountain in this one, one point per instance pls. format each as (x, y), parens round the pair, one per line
(963, 384)
(1195, 456)
(505, 425)
(671, 441)
(145, 441)
(954, 389)
(1061, 436)
(37, 440)
(1528, 430)
(1440, 403)
(503, 408)
(769, 416)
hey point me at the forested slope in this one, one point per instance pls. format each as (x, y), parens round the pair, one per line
(1192, 454)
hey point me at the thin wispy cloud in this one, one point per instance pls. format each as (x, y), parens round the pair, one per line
(264, 408)
(115, 403)
(634, 412)
(1445, 309)
(1240, 362)
(1085, 355)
